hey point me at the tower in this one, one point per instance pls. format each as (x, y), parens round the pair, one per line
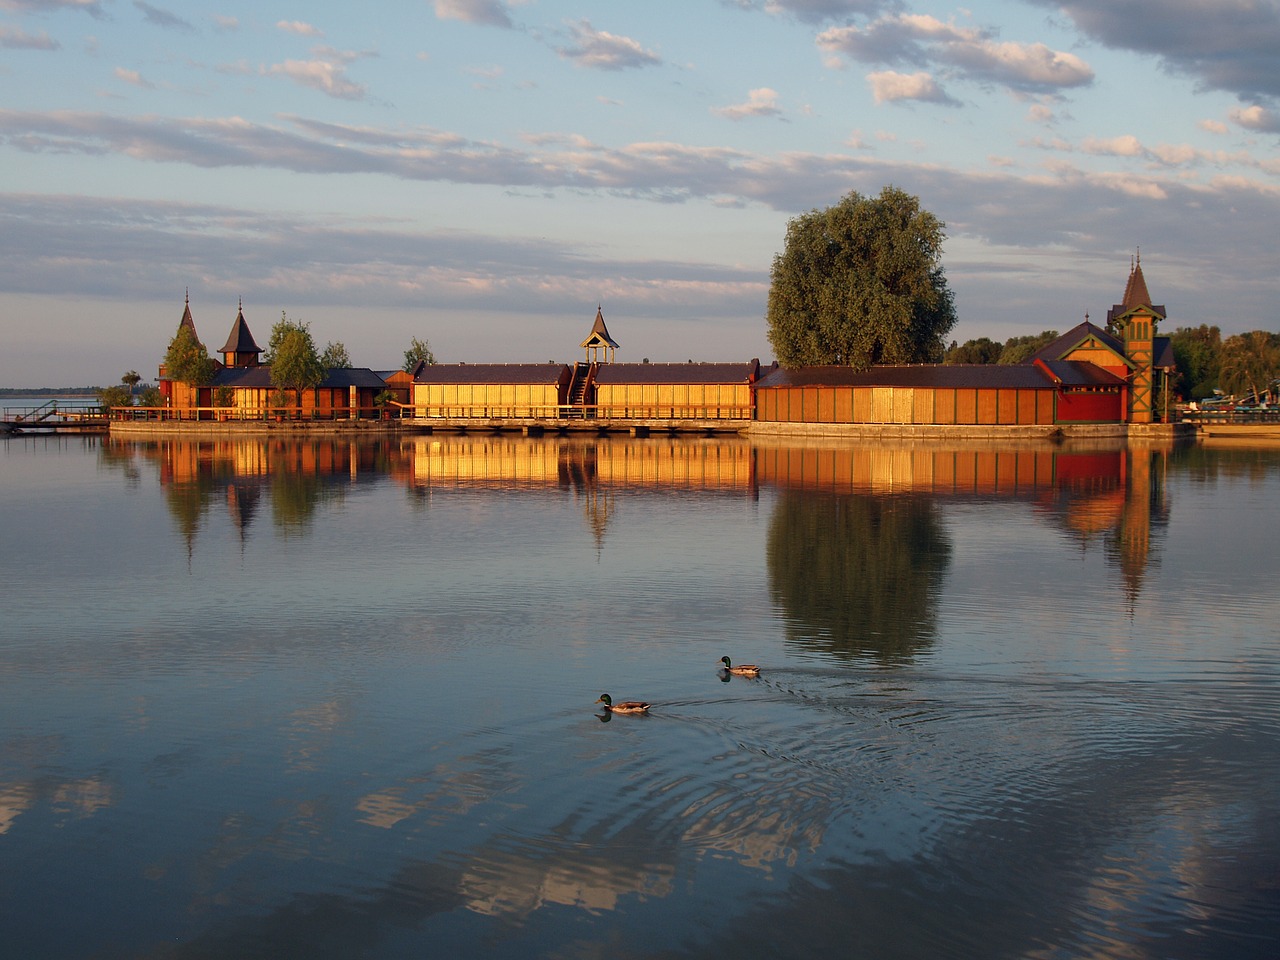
(1134, 322)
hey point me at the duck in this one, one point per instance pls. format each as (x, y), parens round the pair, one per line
(626, 706)
(742, 670)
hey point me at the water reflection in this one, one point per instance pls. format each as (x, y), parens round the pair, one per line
(394, 753)
(857, 575)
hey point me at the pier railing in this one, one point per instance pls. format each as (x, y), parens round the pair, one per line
(449, 411)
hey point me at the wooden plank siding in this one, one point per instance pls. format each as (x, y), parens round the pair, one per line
(943, 406)
(699, 401)
(486, 399)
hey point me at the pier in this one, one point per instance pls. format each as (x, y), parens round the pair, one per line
(53, 417)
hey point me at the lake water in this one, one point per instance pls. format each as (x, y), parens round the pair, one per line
(337, 700)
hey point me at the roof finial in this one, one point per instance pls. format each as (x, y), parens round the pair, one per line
(1086, 316)
(188, 296)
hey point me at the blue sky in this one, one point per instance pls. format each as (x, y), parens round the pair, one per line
(484, 173)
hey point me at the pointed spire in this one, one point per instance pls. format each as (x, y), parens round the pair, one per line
(1135, 291)
(187, 320)
(240, 350)
(599, 338)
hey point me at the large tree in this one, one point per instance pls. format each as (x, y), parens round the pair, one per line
(187, 360)
(861, 283)
(295, 364)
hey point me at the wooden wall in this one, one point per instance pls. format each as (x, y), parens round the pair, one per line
(716, 401)
(905, 405)
(485, 399)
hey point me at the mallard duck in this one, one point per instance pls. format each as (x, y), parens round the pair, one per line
(742, 670)
(626, 706)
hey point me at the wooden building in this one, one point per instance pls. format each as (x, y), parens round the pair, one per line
(490, 390)
(941, 395)
(676, 391)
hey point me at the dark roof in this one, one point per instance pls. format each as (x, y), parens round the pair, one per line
(352, 377)
(243, 377)
(1077, 335)
(609, 373)
(1020, 376)
(1162, 350)
(240, 340)
(187, 321)
(1080, 373)
(599, 335)
(543, 373)
(260, 378)
(1135, 295)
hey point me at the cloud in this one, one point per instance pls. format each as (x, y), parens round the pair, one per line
(597, 50)
(1229, 45)
(888, 87)
(162, 18)
(132, 77)
(918, 40)
(760, 103)
(15, 38)
(225, 23)
(1257, 118)
(299, 27)
(91, 7)
(326, 73)
(490, 12)
(815, 11)
(1122, 146)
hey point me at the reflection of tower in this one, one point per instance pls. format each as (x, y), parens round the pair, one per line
(242, 505)
(598, 509)
(1131, 549)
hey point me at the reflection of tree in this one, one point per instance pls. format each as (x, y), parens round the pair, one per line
(857, 575)
(296, 493)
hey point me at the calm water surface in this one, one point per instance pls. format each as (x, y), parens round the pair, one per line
(332, 700)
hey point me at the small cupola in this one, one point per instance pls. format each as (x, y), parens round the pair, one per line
(599, 340)
(240, 350)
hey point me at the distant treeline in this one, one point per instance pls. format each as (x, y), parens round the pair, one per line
(49, 391)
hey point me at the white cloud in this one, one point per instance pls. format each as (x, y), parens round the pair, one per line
(889, 86)
(326, 73)
(760, 103)
(919, 40)
(299, 27)
(1122, 146)
(490, 12)
(598, 50)
(225, 23)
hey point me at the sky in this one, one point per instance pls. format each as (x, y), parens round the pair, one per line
(484, 174)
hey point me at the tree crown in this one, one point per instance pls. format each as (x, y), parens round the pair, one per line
(861, 282)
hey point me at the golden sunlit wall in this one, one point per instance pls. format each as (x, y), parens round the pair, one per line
(485, 399)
